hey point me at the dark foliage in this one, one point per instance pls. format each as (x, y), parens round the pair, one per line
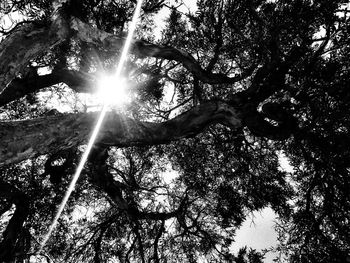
(284, 68)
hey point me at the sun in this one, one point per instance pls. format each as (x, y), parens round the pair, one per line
(112, 90)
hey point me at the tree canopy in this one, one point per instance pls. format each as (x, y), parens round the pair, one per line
(215, 99)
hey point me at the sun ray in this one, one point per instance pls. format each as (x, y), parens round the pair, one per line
(91, 142)
(112, 90)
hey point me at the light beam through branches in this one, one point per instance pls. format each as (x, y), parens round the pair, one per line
(96, 129)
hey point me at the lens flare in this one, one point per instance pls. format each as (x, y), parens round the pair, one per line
(112, 90)
(91, 142)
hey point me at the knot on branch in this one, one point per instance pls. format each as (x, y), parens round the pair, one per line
(275, 121)
(58, 165)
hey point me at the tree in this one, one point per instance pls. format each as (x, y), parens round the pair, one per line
(248, 80)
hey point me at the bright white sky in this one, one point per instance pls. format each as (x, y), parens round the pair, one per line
(188, 5)
(258, 233)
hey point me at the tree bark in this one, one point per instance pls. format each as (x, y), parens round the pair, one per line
(27, 42)
(20, 87)
(20, 140)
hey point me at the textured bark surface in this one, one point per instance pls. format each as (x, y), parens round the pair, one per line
(19, 87)
(20, 140)
(27, 42)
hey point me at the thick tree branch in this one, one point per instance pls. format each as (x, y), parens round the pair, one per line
(26, 43)
(143, 48)
(31, 40)
(19, 87)
(20, 140)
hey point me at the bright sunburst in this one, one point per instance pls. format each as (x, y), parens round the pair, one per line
(111, 87)
(112, 90)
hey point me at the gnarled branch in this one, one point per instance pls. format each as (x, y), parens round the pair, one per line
(20, 140)
(19, 87)
(143, 48)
